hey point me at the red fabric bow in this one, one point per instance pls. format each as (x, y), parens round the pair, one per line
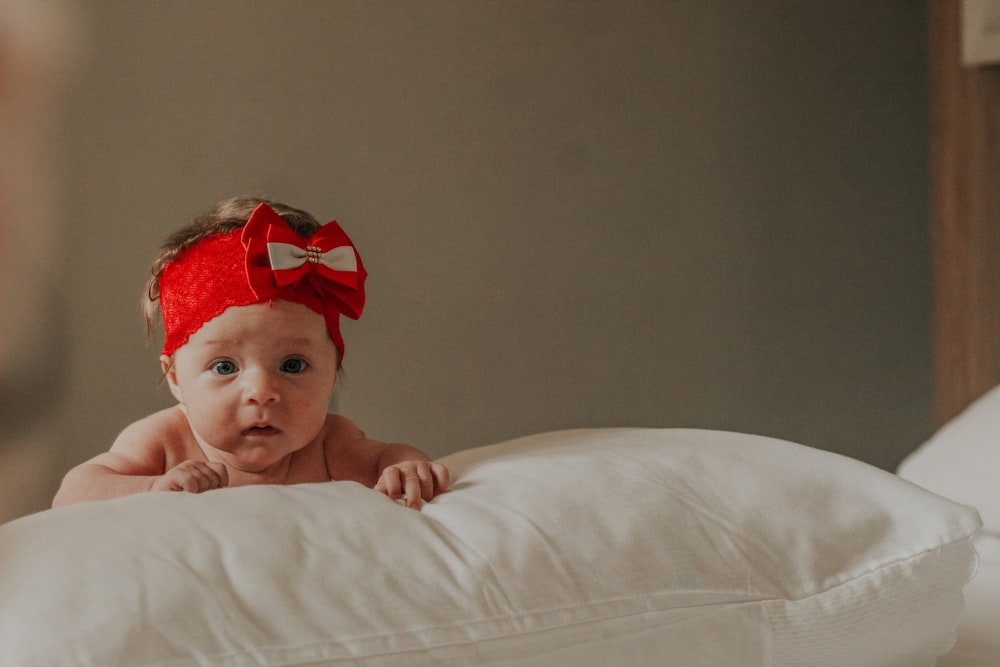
(278, 259)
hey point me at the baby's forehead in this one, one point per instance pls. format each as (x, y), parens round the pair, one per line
(280, 323)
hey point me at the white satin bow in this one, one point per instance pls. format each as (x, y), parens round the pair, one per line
(285, 257)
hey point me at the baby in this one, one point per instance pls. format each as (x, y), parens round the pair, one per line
(251, 296)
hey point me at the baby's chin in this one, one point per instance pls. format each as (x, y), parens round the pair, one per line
(258, 459)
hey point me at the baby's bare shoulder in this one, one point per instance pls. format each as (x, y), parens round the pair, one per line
(165, 424)
(349, 453)
(163, 433)
(341, 429)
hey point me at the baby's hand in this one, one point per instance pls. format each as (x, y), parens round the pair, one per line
(193, 477)
(414, 479)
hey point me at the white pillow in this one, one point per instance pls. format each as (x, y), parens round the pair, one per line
(962, 460)
(598, 547)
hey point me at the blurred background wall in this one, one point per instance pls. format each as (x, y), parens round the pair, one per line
(39, 53)
(686, 213)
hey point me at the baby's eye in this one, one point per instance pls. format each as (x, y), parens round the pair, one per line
(293, 365)
(224, 367)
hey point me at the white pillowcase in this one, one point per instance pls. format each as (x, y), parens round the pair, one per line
(962, 460)
(596, 547)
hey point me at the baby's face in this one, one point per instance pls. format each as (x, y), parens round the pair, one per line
(256, 382)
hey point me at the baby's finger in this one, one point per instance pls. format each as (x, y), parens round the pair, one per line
(208, 477)
(442, 478)
(219, 475)
(191, 480)
(202, 476)
(412, 488)
(426, 476)
(389, 483)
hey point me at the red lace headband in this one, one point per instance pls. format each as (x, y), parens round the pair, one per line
(262, 261)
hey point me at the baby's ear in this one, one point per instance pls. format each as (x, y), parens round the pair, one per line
(170, 374)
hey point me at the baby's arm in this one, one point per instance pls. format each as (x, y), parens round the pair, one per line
(137, 462)
(394, 469)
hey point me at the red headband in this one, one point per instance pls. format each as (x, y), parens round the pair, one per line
(262, 261)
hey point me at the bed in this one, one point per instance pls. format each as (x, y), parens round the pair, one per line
(581, 547)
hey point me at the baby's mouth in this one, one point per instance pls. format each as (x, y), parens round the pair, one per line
(262, 429)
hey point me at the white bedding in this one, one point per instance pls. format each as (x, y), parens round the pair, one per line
(978, 642)
(597, 547)
(962, 462)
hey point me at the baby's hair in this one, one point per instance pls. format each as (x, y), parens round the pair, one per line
(226, 216)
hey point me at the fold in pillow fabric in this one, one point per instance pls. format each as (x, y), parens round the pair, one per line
(962, 460)
(590, 547)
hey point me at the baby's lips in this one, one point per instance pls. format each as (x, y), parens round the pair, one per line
(261, 429)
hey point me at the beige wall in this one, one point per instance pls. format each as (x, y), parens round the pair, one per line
(672, 214)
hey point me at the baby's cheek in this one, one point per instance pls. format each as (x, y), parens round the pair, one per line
(314, 415)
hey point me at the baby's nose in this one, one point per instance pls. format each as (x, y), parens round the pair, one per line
(260, 387)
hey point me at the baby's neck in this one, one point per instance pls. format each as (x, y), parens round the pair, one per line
(274, 474)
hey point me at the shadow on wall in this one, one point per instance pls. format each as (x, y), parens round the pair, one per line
(38, 42)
